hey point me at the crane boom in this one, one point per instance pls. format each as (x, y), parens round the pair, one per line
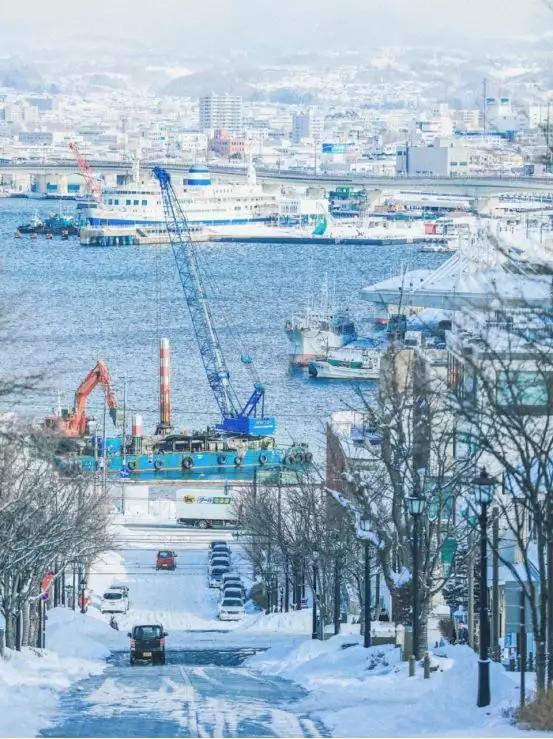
(86, 171)
(236, 419)
(75, 423)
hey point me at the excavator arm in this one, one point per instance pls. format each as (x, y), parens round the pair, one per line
(75, 424)
(97, 376)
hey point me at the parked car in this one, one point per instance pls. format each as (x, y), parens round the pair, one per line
(215, 577)
(232, 577)
(232, 591)
(219, 553)
(220, 548)
(231, 609)
(114, 601)
(216, 543)
(166, 560)
(219, 560)
(219, 563)
(148, 643)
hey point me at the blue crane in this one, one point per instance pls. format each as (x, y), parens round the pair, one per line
(250, 418)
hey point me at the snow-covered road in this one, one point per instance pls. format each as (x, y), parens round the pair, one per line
(195, 694)
(202, 690)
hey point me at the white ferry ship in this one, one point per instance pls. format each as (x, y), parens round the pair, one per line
(204, 203)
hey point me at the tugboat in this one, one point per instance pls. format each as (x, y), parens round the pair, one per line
(55, 224)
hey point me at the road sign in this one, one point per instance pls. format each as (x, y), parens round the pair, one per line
(125, 472)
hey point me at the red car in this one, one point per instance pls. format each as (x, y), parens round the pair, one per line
(166, 560)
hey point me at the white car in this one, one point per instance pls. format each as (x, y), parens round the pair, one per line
(215, 577)
(231, 609)
(223, 564)
(231, 592)
(114, 601)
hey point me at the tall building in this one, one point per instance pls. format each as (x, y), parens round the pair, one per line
(221, 111)
(308, 124)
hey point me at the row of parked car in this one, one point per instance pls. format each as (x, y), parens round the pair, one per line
(220, 575)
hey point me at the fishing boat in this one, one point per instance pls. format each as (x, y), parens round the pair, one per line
(317, 329)
(359, 360)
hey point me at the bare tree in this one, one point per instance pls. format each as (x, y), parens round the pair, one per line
(412, 457)
(501, 385)
(47, 521)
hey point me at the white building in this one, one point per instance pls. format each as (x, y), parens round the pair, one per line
(307, 125)
(538, 115)
(440, 159)
(221, 111)
(467, 119)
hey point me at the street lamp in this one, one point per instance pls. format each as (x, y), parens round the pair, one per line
(415, 506)
(483, 486)
(366, 527)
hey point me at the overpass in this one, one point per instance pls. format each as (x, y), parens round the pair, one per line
(473, 185)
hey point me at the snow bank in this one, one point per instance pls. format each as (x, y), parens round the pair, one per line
(294, 622)
(32, 680)
(367, 692)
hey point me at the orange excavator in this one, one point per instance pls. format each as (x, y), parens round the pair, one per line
(75, 423)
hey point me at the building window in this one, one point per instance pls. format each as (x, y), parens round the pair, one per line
(135, 202)
(527, 390)
(144, 202)
(116, 202)
(127, 202)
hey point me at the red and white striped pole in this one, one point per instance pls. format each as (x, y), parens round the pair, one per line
(164, 387)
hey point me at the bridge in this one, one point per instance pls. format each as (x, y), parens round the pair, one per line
(473, 185)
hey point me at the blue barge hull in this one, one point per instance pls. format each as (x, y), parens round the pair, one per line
(231, 464)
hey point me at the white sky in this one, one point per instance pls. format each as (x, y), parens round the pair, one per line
(286, 24)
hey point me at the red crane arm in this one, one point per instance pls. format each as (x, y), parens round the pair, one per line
(97, 376)
(84, 167)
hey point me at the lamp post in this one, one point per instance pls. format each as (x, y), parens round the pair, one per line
(415, 506)
(483, 486)
(366, 527)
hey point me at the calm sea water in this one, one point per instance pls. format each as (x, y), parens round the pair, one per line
(66, 305)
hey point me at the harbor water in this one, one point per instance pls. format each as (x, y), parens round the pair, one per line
(65, 305)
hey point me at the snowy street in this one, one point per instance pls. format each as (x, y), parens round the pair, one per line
(202, 690)
(197, 693)
(262, 676)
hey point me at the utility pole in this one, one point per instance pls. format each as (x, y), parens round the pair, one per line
(104, 445)
(470, 584)
(336, 595)
(485, 104)
(286, 583)
(522, 647)
(550, 589)
(367, 598)
(124, 443)
(495, 651)
(314, 634)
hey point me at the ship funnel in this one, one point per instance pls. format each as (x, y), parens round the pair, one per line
(137, 433)
(164, 426)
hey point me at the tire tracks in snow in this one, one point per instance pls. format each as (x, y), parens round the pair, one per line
(193, 726)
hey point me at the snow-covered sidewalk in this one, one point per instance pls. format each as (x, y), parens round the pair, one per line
(31, 681)
(358, 692)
